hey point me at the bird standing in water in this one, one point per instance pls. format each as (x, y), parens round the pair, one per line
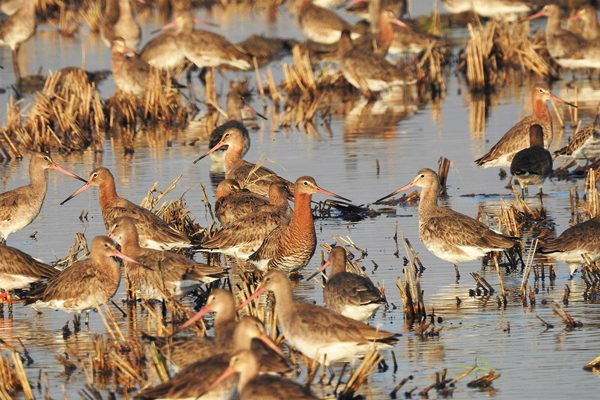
(449, 235)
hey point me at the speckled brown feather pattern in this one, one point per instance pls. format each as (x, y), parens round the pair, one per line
(85, 284)
(583, 237)
(118, 21)
(130, 72)
(14, 262)
(153, 232)
(578, 141)
(247, 233)
(19, 27)
(234, 203)
(159, 274)
(516, 138)
(352, 289)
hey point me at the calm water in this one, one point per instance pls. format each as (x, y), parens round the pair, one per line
(534, 363)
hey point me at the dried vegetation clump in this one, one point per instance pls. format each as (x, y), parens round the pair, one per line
(496, 49)
(67, 114)
(160, 106)
(173, 212)
(13, 379)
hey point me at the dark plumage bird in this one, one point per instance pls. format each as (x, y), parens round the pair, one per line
(531, 166)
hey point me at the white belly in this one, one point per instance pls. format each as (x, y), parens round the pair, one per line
(15, 281)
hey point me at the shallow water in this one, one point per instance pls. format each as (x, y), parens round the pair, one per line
(534, 362)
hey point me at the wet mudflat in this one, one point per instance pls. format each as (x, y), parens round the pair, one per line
(363, 155)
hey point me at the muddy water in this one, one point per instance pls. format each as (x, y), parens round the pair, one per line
(342, 156)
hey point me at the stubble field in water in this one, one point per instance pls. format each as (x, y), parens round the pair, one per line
(534, 362)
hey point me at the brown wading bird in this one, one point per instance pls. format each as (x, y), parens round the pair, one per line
(368, 9)
(573, 243)
(164, 51)
(158, 274)
(366, 71)
(449, 235)
(352, 295)
(290, 247)
(531, 166)
(86, 284)
(18, 270)
(118, 21)
(153, 232)
(517, 137)
(130, 72)
(318, 332)
(20, 206)
(196, 380)
(568, 49)
(250, 176)
(203, 48)
(396, 37)
(253, 386)
(17, 29)
(320, 24)
(243, 237)
(233, 203)
(590, 28)
(183, 351)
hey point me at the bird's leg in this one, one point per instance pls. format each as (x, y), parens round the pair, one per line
(457, 273)
(15, 59)
(10, 304)
(202, 75)
(163, 304)
(2, 301)
(2, 240)
(87, 318)
(129, 291)
(76, 323)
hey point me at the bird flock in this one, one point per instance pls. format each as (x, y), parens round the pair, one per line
(266, 222)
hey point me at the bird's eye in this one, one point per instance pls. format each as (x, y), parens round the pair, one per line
(305, 183)
(422, 176)
(46, 158)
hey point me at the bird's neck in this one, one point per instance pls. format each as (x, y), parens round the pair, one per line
(233, 155)
(553, 23)
(428, 202)
(125, 9)
(131, 244)
(540, 111)
(223, 318)
(337, 268)
(284, 302)
(302, 218)
(39, 179)
(108, 193)
(246, 376)
(384, 36)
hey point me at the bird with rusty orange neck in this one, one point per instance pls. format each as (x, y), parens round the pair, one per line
(153, 231)
(289, 248)
(517, 137)
(253, 177)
